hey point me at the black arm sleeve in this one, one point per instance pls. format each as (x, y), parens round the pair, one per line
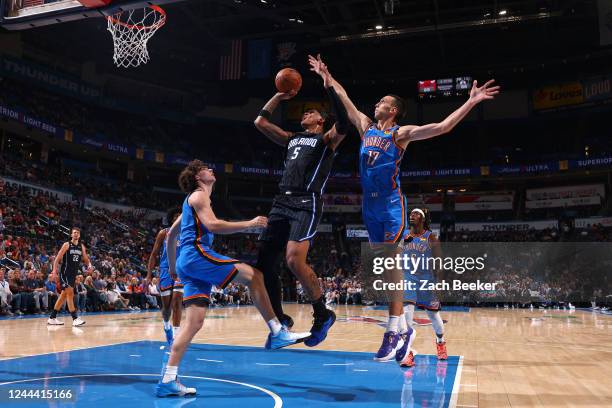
(342, 121)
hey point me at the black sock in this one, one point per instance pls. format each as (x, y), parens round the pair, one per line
(53, 314)
(74, 315)
(319, 306)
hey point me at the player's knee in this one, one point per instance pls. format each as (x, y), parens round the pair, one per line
(294, 261)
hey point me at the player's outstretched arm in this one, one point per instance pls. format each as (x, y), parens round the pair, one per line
(407, 134)
(263, 124)
(172, 235)
(58, 258)
(337, 133)
(159, 241)
(358, 119)
(201, 203)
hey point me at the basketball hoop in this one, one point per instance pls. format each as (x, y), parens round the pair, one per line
(131, 30)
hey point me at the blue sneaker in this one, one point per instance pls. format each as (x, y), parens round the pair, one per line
(320, 327)
(388, 347)
(284, 338)
(407, 339)
(169, 336)
(173, 388)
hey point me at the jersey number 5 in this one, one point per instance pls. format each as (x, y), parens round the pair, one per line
(372, 156)
(296, 153)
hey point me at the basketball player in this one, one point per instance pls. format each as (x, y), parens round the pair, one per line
(297, 210)
(383, 144)
(71, 254)
(199, 268)
(421, 243)
(171, 290)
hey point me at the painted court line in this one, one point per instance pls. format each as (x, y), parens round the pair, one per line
(135, 355)
(361, 371)
(455, 392)
(278, 402)
(271, 364)
(212, 361)
(340, 364)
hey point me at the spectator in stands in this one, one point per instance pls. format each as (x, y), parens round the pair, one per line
(150, 299)
(21, 297)
(93, 299)
(154, 290)
(51, 289)
(80, 294)
(137, 299)
(6, 296)
(115, 299)
(37, 289)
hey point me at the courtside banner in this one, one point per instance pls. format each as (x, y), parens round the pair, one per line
(36, 189)
(484, 272)
(589, 194)
(506, 226)
(589, 222)
(484, 202)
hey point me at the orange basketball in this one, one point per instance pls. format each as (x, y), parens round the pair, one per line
(288, 79)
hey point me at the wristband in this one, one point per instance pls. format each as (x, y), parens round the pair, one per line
(265, 114)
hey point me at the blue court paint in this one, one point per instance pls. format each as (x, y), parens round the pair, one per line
(108, 376)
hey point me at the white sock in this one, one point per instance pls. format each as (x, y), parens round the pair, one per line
(170, 374)
(438, 325)
(175, 331)
(275, 326)
(409, 314)
(403, 326)
(167, 325)
(393, 324)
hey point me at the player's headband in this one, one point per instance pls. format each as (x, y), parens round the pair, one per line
(418, 210)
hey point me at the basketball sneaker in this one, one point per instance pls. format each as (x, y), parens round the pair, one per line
(407, 339)
(389, 346)
(408, 360)
(441, 351)
(320, 327)
(284, 338)
(55, 322)
(78, 322)
(173, 388)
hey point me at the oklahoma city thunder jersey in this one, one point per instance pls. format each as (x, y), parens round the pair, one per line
(379, 161)
(419, 248)
(193, 231)
(163, 258)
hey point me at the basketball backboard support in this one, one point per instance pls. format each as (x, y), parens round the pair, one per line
(25, 14)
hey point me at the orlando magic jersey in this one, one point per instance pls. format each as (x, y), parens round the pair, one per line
(308, 162)
(193, 231)
(71, 260)
(379, 161)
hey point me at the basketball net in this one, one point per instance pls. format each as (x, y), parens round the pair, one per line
(131, 30)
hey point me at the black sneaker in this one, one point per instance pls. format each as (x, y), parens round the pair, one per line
(320, 327)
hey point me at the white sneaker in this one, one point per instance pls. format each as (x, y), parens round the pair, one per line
(78, 322)
(55, 322)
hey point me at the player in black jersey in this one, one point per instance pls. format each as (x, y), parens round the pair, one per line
(297, 210)
(71, 254)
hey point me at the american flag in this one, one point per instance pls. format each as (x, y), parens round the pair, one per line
(230, 66)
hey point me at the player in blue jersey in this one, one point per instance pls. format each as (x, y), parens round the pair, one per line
(383, 143)
(171, 290)
(199, 267)
(422, 245)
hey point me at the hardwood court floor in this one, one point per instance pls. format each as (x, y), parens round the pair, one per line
(517, 358)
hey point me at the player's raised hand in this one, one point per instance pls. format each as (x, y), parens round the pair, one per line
(485, 92)
(259, 222)
(318, 67)
(283, 96)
